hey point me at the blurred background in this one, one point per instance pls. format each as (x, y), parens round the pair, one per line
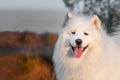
(28, 32)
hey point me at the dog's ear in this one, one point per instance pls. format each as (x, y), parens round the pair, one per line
(68, 16)
(96, 21)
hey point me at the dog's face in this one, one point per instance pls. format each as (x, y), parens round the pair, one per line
(81, 36)
(79, 41)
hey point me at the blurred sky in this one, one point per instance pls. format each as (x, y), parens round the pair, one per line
(32, 15)
(32, 5)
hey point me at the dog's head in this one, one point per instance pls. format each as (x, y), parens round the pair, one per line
(83, 34)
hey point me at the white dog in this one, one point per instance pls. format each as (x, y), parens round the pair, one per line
(85, 52)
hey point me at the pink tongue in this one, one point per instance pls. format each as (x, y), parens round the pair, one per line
(77, 52)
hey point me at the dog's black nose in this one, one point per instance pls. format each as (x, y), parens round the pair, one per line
(78, 41)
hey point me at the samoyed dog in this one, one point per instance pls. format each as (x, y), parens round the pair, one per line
(85, 52)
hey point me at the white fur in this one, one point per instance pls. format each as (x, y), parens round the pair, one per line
(100, 61)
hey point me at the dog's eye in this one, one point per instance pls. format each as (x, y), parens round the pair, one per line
(73, 32)
(86, 34)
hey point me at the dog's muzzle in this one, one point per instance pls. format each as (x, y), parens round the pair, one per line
(78, 50)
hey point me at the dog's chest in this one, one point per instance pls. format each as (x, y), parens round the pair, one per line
(78, 71)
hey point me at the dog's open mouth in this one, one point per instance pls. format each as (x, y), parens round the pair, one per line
(78, 50)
